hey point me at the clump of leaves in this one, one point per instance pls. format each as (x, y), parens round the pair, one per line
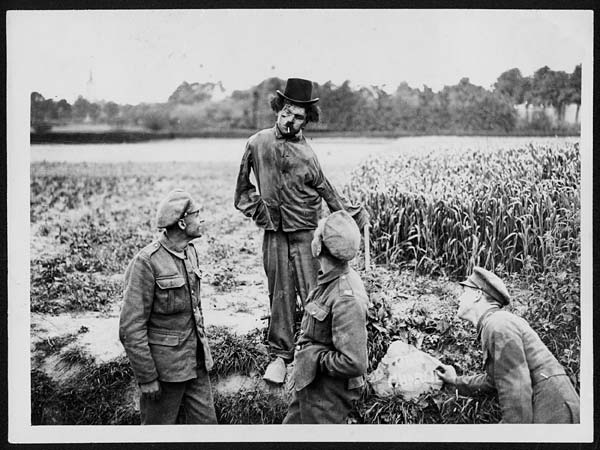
(475, 410)
(232, 353)
(224, 279)
(99, 396)
(73, 291)
(219, 251)
(554, 311)
(52, 345)
(42, 390)
(434, 407)
(251, 406)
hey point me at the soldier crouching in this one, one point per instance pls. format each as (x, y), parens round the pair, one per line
(331, 353)
(531, 384)
(161, 324)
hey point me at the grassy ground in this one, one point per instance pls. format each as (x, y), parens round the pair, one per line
(88, 220)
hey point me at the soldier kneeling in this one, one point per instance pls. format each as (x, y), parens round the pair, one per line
(331, 353)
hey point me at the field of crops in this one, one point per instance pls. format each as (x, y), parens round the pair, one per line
(434, 216)
(448, 211)
(514, 211)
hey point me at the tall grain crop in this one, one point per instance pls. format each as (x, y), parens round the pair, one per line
(448, 211)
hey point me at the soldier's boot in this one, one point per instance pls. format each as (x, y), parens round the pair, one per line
(276, 371)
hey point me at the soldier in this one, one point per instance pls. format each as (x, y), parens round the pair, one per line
(532, 386)
(331, 352)
(161, 324)
(287, 205)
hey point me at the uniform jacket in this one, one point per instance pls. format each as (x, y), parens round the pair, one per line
(290, 182)
(519, 366)
(161, 324)
(333, 338)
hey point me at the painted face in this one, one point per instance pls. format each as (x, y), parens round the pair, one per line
(193, 224)
(291, 119)
(468, 297)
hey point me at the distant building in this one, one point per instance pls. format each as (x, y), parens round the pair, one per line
(571, 117)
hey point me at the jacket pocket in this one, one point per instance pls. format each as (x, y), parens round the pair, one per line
(261, 216)
(318, 326)
(170, 295)
(318, 311)
(158, 338)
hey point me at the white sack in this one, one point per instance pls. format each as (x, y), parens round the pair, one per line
(405, 371)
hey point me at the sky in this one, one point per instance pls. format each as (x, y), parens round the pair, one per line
(138, 56)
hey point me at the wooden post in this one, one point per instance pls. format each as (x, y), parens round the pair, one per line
(367, 248)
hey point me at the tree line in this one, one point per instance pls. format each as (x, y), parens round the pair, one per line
(459, 108)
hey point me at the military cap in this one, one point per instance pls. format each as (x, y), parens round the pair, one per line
(339, 233)
(489, 283)
(176, 205)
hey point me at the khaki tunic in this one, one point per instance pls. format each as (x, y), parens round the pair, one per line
(531, 384)
(331, 352)
(161, 324)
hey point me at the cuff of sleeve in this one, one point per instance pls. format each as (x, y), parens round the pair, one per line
(147, 379)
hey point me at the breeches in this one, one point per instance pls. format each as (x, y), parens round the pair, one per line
(187, 402)
(291, 272)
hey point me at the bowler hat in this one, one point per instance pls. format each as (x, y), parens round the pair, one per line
(298, 91)
(489, 283)
(340, 234)
(173, 207)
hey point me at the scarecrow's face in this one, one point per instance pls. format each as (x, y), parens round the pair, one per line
(291, 119)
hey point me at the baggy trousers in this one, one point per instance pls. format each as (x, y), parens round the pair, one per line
(291, 270)
(187, 402)
(325, 400)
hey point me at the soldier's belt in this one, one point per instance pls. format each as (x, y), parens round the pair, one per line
(542, 375)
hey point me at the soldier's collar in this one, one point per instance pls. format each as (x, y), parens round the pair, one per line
(294, 138)
(170, 246)
(483, 318)
(336, 272)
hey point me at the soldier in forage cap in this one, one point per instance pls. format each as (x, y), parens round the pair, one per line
(331, 351)
(161, 324)
(286, 203)
(531, 384)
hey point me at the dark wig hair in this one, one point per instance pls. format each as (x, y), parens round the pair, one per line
(313, 112)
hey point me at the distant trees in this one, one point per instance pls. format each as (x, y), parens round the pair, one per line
(546, 88)
(460, 108)
(46, 112)
(195, 93)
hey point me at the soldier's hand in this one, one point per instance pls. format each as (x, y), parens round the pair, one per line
(151, 390)
(446, 373)
(362, 218)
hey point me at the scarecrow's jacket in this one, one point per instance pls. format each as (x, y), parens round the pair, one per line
(290, 182)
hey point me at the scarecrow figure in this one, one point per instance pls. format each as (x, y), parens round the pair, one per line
(286, 203)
